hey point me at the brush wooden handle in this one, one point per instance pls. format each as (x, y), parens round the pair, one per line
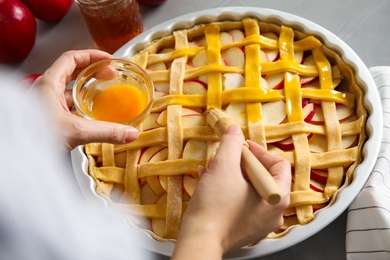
(258, 175)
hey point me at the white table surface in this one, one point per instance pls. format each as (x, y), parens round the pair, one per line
(363, 25)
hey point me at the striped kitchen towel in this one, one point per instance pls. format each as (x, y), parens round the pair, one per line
(368, 222)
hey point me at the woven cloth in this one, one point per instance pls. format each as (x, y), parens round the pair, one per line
(368, 222)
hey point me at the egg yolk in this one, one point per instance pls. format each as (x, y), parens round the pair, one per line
(119, 103)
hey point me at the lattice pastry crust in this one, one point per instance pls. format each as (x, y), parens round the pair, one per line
(288, 91)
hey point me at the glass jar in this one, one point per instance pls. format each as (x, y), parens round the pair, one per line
(111, 23)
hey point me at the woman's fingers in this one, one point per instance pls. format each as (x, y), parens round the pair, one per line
(230, 148)
(279, 167)
(81, 131)
(63, 69)
(266, 158)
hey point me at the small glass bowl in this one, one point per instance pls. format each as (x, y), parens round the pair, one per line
(104, 74)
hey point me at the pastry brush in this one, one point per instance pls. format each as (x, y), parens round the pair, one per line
(258, 175)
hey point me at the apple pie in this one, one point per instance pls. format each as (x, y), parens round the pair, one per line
(289, 92)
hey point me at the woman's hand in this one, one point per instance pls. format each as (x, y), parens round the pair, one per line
(73, 129)
(225, 212)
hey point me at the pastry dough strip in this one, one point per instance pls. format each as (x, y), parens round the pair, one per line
(240, 95)
(132, 189)
(333, 130)
(252, 80)
(175, 141)
(214, 78)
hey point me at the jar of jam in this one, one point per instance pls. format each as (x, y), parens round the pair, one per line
(111, 23)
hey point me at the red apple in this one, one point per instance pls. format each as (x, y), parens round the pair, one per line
(189, 184)
(151, 122)
(298, 57)
(319, 206)
(151, 2)
(194, 87)
(156, 153)
(317, 186)
(17, 31)
(148, 196)
(305, 101)
(237, 112)
(308, 112)
(233, 56)
(320, 176)
(343, 112)
(263, 56)
(308, 61)
(318, 144)
(274, 112)
(28, 80)
(162, 87)
(288, 144)
(158, 94)
(275, 81)
(200, 59)
(237, 35)
(200, 40)
(225, 37)
(191, 117)
(49, 10)
(272, 54)
(157, 66)
(232, 80)
(195, 149)
(162, 118)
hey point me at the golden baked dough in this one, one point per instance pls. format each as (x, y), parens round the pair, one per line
(287, 90)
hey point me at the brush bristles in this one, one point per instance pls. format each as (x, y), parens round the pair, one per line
(213, 115)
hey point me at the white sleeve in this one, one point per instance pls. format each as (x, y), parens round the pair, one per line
(42, 214)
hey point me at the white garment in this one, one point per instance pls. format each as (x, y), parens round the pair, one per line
(368, 223)
(42, 214)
